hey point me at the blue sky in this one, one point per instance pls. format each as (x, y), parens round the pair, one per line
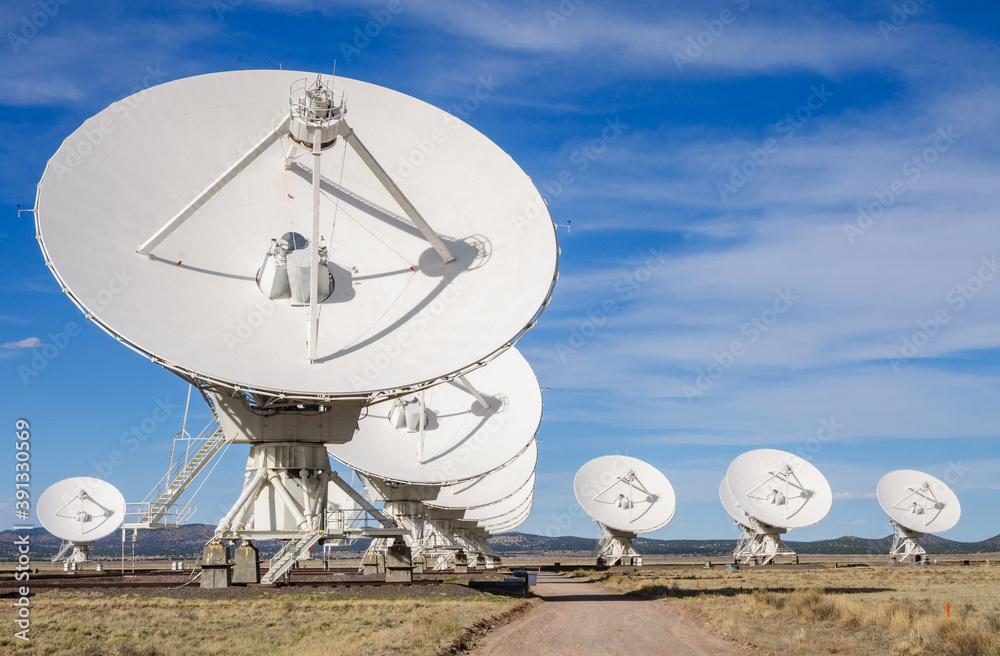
(784, 229)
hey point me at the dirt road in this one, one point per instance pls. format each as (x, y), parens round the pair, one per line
(576, 618)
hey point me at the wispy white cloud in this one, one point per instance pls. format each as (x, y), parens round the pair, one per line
(29, 342)
(66, 64)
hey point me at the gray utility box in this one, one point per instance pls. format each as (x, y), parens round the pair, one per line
(532, 577)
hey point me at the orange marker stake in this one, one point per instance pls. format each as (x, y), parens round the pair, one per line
(947, 608)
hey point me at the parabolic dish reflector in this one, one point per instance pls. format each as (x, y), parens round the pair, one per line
(729, 503)
(81, 509)
(779, 488)
(492, 487)
(398, 315)
(918, 501)
(507, 522)
(461, 440)
(518, 501)
(625, 493)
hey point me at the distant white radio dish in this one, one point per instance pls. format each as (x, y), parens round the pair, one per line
(626, 496)
(492, 487)
(917, 504)
(776, 491)
(81, 511)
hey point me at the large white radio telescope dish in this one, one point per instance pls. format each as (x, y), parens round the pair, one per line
(769, 492)
(458, 439)
(512, 504)
(205, 179)
(917, 504)
(779, 488)
(626, 496)
(625, 493)
(918, 501)
(734, 509)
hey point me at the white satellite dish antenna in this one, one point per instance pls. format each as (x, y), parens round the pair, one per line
(490, 488)
(468, 429)
(478, 501)
(917, 504)
(435, 266)
(626, 497)
(775, 491)
(453, 432)
(291, 245)
(81, 511)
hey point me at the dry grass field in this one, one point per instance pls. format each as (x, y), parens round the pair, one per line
(83, 623)
(858, 611)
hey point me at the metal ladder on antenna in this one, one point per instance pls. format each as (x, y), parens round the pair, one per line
(172, 485)
(291, 552)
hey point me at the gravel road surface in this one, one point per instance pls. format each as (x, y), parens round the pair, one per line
(578, 618)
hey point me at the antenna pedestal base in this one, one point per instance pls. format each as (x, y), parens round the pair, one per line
(246, 564)
(216, 570)
(614, 548)
(461, 562)
(373, 562)
(81, 553)
(398, 563)
(906, 543)
(284, 493)
(760, 544)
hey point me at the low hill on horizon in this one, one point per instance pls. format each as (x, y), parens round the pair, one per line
(187, 542)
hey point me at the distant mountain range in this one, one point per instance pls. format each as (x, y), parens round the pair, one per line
(187, 542)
